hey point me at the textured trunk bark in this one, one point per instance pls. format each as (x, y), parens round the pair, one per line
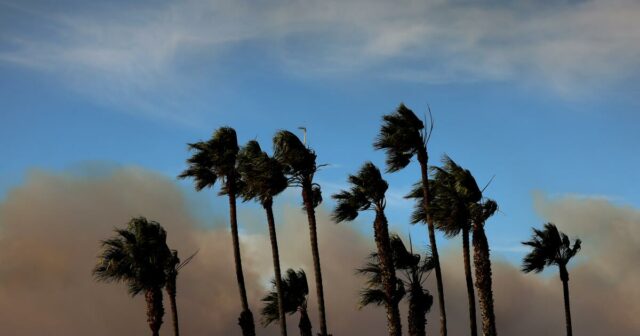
(155, 311)
(305, 324)
(268, 206)
(172, 292)
(389, 280)
(467, 273)
(482, 264)
(246, 317)
(564, 276)
(423, 159)
(417, 311)
(307, 197)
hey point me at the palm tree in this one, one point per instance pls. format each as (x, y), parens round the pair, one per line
(264, 179)
(215, 160)
(299, 164)
(450, 210)
(367, 192)
(403, 136)
(413, 272)
(552, 247)
(296, 291)
(173, 268)
(138, 256)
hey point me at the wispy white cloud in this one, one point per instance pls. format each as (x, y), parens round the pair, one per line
(134, 54)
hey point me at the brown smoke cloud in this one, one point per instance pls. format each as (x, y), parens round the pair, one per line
(50, 228)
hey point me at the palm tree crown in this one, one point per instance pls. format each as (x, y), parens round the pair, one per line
(137, 255)
(549, 247)
(402, 136)
(213, 159)
(295, 291)
(262, 175)
(367, 191)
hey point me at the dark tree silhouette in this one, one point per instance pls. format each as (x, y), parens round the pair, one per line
(138, 256)
(552, 247)
(215, 160)
(413, 271)
(264, 179)
(295, 292)
(457, 205)
(403, 136)
(299, 163)
(367, 192)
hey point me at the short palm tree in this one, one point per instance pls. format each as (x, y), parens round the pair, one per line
(552, 247)
(263, 179)
(403, 136)
(299, 163)
(212, 161)
(413, 270)
(367, 192)
(173, 268)
(296, 292)
(138, 256)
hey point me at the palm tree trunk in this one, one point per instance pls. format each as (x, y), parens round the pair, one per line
(389, 280)
(305, 323)
(155, 311)
(246, 317)
(171, 292)
(564, 276)
(482, 265)
(307, 195)
(417, 311)
(268, 206)
(467, 272)
(423, 160)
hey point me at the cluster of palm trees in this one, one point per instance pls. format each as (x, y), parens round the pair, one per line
(447, 198)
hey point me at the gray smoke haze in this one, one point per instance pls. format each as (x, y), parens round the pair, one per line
(51, 225)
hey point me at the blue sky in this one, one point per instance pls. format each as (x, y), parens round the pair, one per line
(543, 96)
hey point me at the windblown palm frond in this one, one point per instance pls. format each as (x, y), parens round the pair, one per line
(401, 137)
(295, 291)
(262, 175)
(367, 190)
(549, 247)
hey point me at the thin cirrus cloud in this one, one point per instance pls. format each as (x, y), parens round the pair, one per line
(138, 52)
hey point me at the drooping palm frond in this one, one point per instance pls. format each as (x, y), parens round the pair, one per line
(401, 137)
(262, 175)
(137, 256)
(549, 247)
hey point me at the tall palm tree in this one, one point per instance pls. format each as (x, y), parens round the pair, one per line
(403, 136)
(552, 247)
(367, 192)
(215, 160)
(413, 271)
(264, 179)
(138, 256)
(299, 163)
(173, 268)
(450, 210)
(296, 292)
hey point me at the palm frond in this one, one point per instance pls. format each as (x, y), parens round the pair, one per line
(401, 137)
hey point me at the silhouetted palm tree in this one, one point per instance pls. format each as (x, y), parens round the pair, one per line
(263, 179)
(413, 271)
(552, 247)
(403, 136)
(295, 291)
(456, 184)
(215, 160)
(299, 163)
(173, 268)
(367, 192)
(138, 256)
